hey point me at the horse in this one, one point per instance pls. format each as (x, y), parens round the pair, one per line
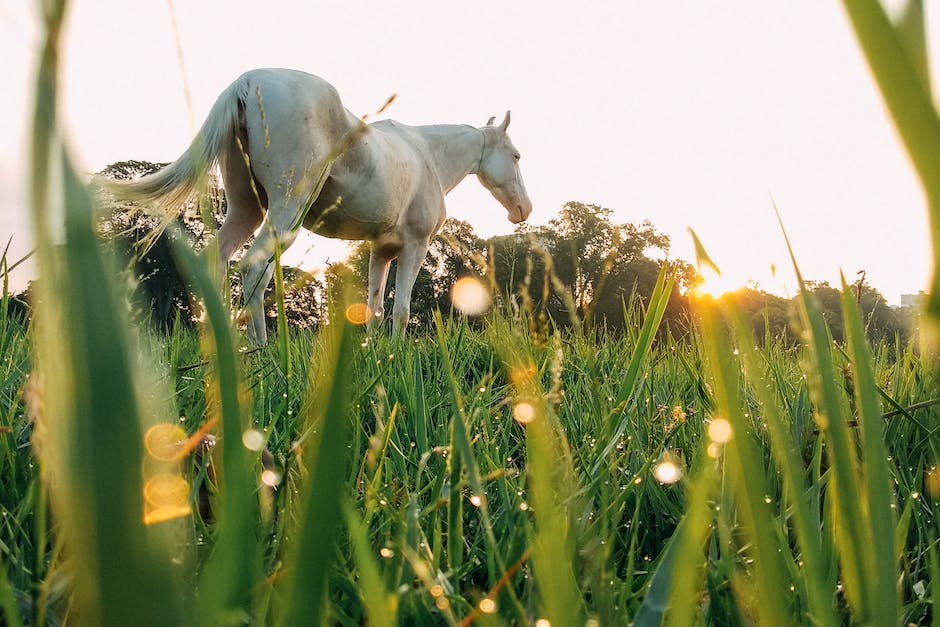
(291, 155)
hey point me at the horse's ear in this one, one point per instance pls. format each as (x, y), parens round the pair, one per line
(505, 123)
(492, 119)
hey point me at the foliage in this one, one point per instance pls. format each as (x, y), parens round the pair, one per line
(771, 316)
(159, 293)
(583, 268)
(881, 321)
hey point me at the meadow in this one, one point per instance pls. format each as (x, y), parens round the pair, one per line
(494, 470)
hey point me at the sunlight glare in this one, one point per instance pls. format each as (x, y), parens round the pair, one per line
(716, 285)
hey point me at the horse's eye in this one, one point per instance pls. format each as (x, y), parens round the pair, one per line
(516, 156)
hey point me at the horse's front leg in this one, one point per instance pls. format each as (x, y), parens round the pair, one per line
(378, 275)
(255, 279)
(410, 259)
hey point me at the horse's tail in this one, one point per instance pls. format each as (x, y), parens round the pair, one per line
(169, 189)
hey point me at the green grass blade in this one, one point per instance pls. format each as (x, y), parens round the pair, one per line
(934, 580)
(11, 613)
(227, 579)
(553, 488)
(461, 439)
(881, 574)
(420, 419)
(912, 32)
(93, 382)
(744, 468)
(674, 592)
(327, 460)
(374, 596)
(283, 337)
(801, 498)
(848, 533)
(899, 74)
(654, 315)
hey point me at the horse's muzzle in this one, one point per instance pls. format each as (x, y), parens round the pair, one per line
(520, 212)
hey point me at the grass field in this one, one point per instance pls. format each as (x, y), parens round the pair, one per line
(486, 474)
(490, 472)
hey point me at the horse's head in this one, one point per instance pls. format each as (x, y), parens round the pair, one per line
(499, 171)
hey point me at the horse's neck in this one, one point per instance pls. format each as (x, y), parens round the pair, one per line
(455, 150)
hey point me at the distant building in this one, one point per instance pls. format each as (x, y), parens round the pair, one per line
(915, 301)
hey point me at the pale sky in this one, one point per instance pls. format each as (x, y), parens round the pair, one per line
(686, 114)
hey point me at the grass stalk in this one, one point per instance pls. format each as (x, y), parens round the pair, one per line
(326, 458)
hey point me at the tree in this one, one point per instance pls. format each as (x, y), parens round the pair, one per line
(769, 315)
(305, 302)
(882, 322)
(158, 291)
(604, 264)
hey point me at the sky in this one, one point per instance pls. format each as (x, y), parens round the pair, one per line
(686, 114)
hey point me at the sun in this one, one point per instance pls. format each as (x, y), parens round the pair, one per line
(716, 285)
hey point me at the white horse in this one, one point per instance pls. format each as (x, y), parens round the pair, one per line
(291, 155)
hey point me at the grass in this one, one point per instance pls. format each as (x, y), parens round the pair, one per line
(436, 500)
(486, 473)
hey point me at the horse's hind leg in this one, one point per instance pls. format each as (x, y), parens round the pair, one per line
(279, 228)
(246, 204)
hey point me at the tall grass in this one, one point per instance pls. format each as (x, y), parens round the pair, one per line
(494, 472)
(897, 55)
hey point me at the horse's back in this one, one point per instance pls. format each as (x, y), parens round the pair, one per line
(292, 119)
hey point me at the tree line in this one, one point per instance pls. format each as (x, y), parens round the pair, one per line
(581, 269)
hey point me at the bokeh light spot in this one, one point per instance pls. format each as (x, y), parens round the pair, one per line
(523, 412)
(358, 314)
(719, 431)
(270, 478)
(164, 441)
(470, 296)
(253, 439)
(166, 491)
(667, 471)
(157, 515)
